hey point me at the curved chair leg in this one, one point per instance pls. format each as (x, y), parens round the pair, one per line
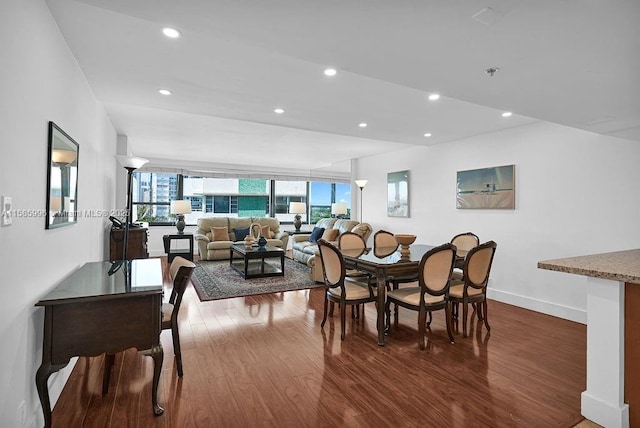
(447, 312)
(430, 319)
(343, 319)
(331, 305)
(324, 317)
(387, 308)
(176, 347)
(484, 314)
(465, 310)
(422, 318)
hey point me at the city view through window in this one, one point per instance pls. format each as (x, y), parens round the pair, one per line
(223, 197)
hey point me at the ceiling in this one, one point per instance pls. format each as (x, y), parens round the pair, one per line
(571, 62)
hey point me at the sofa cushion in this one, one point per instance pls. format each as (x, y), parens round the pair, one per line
(344, 225)
(316, 234)
(330, 235)
(327, 223)
(241, 233)
(266, 232)
(219, 234)
(272, 222)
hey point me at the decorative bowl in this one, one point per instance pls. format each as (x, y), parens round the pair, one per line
(405, 239)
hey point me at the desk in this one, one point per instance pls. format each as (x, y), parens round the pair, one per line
(612, 397)
(384, 264)
(102, 308)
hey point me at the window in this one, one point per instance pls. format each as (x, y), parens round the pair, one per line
(211, 197)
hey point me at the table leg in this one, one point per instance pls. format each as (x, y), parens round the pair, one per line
(282, 263)
(42, 375)
(381, 280)
(157, 354)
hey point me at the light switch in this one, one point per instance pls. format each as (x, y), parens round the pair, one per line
(6, 210)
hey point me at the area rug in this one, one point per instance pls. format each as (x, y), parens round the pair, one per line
(214, 280)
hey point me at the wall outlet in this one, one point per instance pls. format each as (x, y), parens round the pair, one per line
(7, 206)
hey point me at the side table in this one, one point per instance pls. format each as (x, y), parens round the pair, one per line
(173, 252)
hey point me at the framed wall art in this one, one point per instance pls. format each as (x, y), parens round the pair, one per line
(486, 188)
(398, 194)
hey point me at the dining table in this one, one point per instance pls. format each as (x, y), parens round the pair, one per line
(385, 263)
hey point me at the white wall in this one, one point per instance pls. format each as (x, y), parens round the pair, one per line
(576, 193)
(41, 81)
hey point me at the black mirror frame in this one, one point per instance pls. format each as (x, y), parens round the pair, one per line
(56, 132)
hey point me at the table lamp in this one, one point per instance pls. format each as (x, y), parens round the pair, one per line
(338, 209)
(180, 208)
(297, 208)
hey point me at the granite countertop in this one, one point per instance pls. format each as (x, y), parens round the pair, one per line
(621, 266)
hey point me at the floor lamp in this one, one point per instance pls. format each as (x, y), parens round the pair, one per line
(129, 163)
(361, 184)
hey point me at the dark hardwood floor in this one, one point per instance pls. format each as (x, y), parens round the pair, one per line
(265, 361)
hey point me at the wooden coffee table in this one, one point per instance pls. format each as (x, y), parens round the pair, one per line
(253, 262)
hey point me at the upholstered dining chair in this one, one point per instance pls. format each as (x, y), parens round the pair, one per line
(464, 242)
(180, 272)
(353, 241)
(472, 288)
(338, 287)
(384, 244)
(432, 292)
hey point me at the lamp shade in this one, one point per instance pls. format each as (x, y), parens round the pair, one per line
(180, 207)
(131, 161)
(297, 207)
(339, 208)
(361, 183)
(63, 156)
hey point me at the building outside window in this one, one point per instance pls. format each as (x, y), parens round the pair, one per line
(224, 197)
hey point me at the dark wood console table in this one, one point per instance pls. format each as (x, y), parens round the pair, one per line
(102, 308)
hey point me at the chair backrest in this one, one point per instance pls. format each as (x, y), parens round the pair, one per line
(180, 272)
(435, 269)
(477, 265)
(351, 241)
(465, 241)
(332, 264)
(382, 238)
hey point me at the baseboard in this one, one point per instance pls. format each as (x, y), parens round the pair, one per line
(549, 308)
(604, 413)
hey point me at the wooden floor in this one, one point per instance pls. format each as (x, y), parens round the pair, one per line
(264, 361)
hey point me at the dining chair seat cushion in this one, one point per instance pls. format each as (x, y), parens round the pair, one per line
(411, 295)
(167, 309)
(458, 289)
(354, 290)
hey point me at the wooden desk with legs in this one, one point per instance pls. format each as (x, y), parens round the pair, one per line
(102, 307)
(385, 264)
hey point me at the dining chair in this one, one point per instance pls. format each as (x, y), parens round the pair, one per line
(432, 292)
(472, 288)
(180, 272)
(338, 287)
(464, 242)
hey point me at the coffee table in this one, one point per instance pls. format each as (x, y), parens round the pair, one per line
(253, 261)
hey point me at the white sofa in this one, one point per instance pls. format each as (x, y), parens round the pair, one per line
(219, 250)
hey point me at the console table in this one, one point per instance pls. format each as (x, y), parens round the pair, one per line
(102, 308)
(612, 398)
(137, 243)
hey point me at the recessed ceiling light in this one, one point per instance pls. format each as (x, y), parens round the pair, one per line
(362, 124)
(172, 33)
(330, 72)
(278, 110)
(506, 114)
(433, 97)
(428, 134)
(164, 91)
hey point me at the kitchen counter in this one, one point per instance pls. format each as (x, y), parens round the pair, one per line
(621, 266)
(612, 397)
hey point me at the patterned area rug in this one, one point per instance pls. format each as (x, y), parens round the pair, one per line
(215, 280)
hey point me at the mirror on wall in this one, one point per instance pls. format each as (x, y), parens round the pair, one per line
(62, 179)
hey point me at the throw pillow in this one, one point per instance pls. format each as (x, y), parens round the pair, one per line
(241, 233)
(330, 235)
(219, 234)
(266, 232)
(316, 234)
